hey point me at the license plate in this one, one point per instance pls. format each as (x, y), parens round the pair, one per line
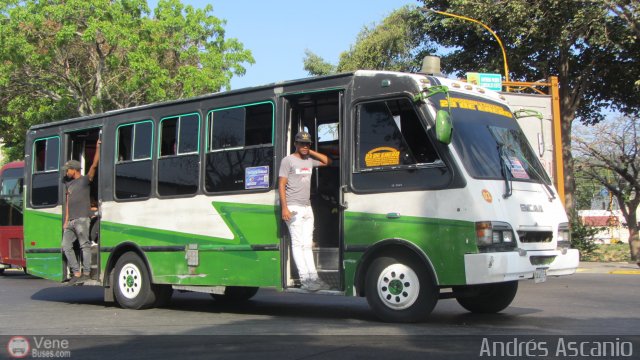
(540, 275)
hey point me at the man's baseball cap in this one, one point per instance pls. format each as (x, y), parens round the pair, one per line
(303, 137)
(72, 164)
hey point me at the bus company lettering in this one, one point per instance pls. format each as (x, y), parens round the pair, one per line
(382, 156)
(531, 208)
(475, 105)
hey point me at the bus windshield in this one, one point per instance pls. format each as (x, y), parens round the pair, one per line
(11, 197)
(11, 182)
(489, 140)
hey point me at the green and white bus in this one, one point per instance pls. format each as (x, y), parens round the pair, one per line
(433, 193)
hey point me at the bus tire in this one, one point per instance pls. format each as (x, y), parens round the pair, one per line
(133, 289)
(236, 294)
(486, 298)
(1, 271)
(400, 289)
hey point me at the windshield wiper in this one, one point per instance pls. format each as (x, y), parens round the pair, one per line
(506, 170)
(537, 174)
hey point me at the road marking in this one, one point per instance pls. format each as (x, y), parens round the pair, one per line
(625, 272)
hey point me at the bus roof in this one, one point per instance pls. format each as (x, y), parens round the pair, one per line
(195, 98)
(12, 165)
(453, 84)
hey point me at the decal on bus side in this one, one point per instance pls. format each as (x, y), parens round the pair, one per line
(382, 156)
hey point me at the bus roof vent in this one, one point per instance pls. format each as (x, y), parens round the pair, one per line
(431, 66)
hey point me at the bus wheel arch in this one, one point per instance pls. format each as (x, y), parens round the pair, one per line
(399, 284)
(132, 286)
(390, 247)
(116, 253)
(128, 260)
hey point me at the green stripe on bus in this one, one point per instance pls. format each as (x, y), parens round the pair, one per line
(221, 261)
(443, 241)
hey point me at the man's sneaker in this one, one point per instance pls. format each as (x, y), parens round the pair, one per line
(78, 280)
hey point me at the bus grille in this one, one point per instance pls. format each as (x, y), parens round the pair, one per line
(535, 236)
(542, 260)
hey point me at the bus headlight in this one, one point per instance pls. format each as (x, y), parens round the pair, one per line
(564, 236)
(494, 236)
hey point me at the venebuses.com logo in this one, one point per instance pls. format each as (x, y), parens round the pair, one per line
(18, 347)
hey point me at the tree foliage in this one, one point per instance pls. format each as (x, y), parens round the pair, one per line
(592, 46)
(316, 65)
(582, 237)
(396, 44)
(609, 153)
(61, 59)
(593, 51)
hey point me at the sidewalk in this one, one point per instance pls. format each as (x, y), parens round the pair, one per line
(616, 268)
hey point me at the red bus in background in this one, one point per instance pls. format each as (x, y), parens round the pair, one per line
(11, 232)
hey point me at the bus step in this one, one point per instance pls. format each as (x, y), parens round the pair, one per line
(330, 277)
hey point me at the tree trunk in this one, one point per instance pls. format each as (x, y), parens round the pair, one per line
(567, 167)
(567, 115)
(634, 237)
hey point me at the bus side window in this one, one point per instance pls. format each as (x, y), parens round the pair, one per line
(179, 158)
(240, 153)
(393, 149)
(133, 163)
(391, 135)
(46, 176)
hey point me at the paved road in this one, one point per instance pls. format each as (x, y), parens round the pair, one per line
(589, 302)
(595, 301)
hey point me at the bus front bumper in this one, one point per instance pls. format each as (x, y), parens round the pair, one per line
(509, 266)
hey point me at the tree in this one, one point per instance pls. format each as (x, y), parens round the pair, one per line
(61, 59)
(629, 12)
(396, 44)
(316, 65)
(592, 50)
(609, 153)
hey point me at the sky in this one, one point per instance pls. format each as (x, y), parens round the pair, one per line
(278, 31)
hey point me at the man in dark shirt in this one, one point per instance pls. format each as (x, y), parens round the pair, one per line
(77, 216)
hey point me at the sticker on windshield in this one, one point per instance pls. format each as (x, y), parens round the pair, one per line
(475, 105)
(517, 170)
(382, 156)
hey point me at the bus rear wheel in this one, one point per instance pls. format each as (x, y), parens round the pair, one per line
(486, 298)
(400, 289)
(132, 285)
(236, 294)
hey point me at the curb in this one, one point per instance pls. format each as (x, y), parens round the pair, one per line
(625, 272)
(614, 268)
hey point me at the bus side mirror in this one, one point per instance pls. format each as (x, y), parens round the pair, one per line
(444, 128)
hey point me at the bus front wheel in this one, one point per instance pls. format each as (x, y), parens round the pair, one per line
(486, 298)
(400, 289)
(132, 285)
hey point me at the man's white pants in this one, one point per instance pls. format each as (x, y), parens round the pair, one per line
(301, 231)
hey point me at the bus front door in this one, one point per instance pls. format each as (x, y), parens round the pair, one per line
(81, 146)
(319, 114)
